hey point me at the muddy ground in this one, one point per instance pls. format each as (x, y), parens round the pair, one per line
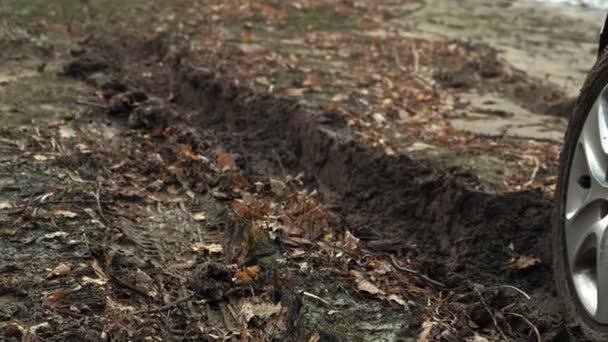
(259, 170)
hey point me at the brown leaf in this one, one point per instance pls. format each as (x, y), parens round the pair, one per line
(99, 272)
(200, 216)
(64, 213)
(316, 337)
(380, 267)
(397, 299)
(521, 263)
(248, 274)
(365, 285)
(311, 81)
(255, 307)
(246, 37)
(425, 331)
(332, 108)
(213, 248)
(295, 92)
(186, 151)
(251, 208)
(225, 161)
(52, 300)
(349, 242)
(61, 270)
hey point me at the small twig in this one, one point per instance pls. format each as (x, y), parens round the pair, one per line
(516, 289)
(308, 294)
(168, 306)
(534, 172)
(416, 58)
(414, 272)
(278, 158)
(126, 285)
(91, 104)
(485, 305)
(74, 201)
(539, 337)
(398, 61)
(96, 195)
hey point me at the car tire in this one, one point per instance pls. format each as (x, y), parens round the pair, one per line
(574, 309)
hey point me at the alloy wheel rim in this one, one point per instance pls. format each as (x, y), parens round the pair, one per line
(586, 214)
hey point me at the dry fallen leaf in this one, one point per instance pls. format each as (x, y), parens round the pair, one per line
(55, 235)
(248, 274)
(199, 216)
(52, 300)
(88, 280)
(296, 253)
(425, 331)
(521, 263)
(365, 285)
(247, 37)
(213, 248)
(225, 161)
(251, 208)
(349, 242)
(398, 299)
(99, 272)
(316, 337)
(255, 307)
(61, 270)
(295, 92)
(186, 151)
(311, 81)
(40, 157)
(340, 97)
(380, 267)
(4, 204)
(64, 213)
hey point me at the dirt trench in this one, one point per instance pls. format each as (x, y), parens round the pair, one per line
(442, 212)
(441, 219)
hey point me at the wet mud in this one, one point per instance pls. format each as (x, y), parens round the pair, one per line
(439, 217)
(443, 220)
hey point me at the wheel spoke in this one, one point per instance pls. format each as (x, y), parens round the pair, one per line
(601, 315)
(594, 140)
(588, 174)
(581, 234)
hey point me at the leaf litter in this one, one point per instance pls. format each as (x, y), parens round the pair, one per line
(231, 213)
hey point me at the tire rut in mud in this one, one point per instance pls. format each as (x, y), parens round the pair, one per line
(439, 218)
(394, 202)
